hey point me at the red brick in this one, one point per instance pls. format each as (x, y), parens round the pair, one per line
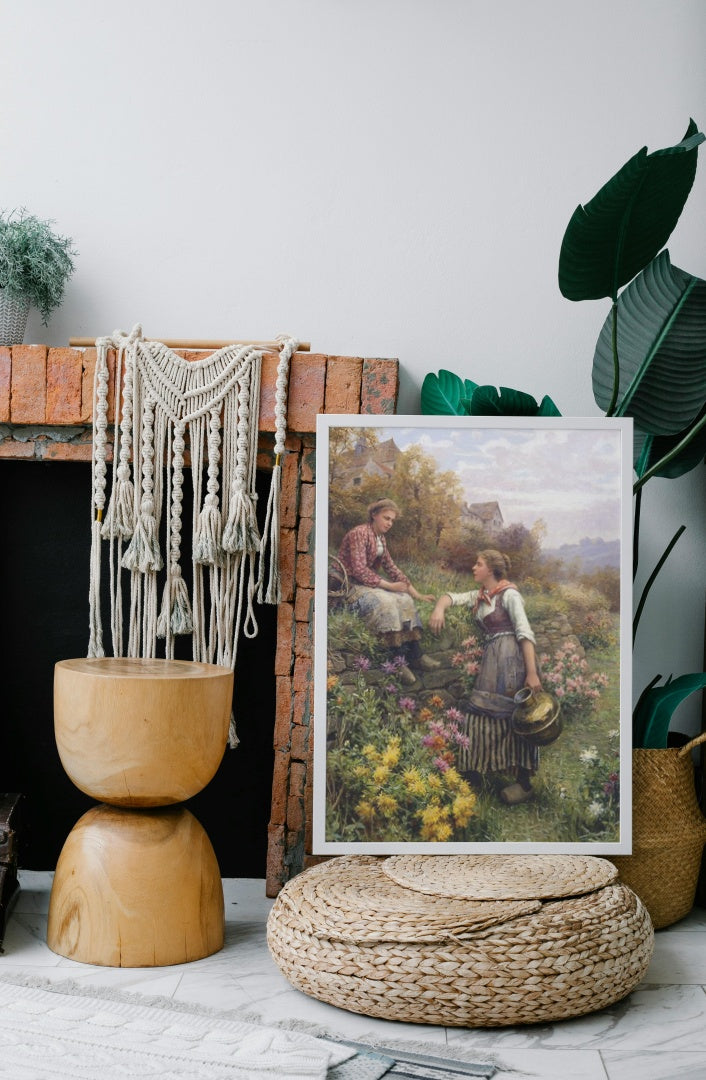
(283, 713)
(302, 674)
(280, 777)
(343, 381)
(289, 500)
(275, 860)
(53, 451)
(292, 444)
(305, 534)
(64, 378)
(87, 377)
(305, 571)
(308, 809)
(307, 387)
(284, 653)
(380, 386)
(11, 448)
(303, 640)
(88, 373)
(287, 562)
(302, 710)
(308, 464)
(307, 500)
(28, 384)
(300, 737)
(297, 779)
(304, 605)
(5, 374)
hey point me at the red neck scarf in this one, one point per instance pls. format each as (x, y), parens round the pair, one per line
(485, 595)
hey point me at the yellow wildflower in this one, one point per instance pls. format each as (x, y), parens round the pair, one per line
(381, 774)
(462, 808)
(360, 770)
(331, 682)
(386, 804)
(435, 782)
(452, 779)
(365, 810)
(370, 752)
(391, 754)
(414, 782)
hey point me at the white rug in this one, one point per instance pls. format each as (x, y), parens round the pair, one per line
(65, 1032)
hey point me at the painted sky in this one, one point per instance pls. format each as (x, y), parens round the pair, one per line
(570, 478)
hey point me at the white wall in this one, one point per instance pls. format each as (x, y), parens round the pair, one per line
(381, 177)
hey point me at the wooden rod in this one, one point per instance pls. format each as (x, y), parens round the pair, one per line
(198, 343)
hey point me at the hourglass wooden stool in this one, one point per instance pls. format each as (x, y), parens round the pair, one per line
(137, 883)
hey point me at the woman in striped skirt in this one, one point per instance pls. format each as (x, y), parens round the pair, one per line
(508, 663)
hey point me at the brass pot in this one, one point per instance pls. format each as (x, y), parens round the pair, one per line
(537, 716)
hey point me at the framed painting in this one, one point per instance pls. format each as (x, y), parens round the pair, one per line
(473, 635)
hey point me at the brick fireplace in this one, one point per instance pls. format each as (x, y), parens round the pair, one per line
(46, 415)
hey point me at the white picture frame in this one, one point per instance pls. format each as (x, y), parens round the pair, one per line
(389, 755)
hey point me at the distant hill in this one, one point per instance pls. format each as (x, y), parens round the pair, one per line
(591, 553)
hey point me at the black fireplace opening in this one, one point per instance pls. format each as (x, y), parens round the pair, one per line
(44, 563)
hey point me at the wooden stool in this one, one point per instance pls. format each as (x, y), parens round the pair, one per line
(137, 886)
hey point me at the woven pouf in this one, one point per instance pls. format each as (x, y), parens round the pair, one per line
(464, 941)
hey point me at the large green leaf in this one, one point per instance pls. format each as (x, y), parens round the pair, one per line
(446, 394)
(653, 713)
(661, 343)
(489, 401)
(649, 450)
(614, 236)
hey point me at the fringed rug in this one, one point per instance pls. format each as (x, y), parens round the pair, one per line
(63, 1031)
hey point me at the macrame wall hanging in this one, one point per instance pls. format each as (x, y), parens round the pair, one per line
(161, 401)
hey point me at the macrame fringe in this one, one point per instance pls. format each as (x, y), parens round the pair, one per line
(241, 532)
(142, 553)
(161, 400)
(175, 615)
(120, 517)
(273, 593)
(208, 542)
(95, 640)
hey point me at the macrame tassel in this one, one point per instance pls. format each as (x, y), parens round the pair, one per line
(95, 639)
(175, 614)
(233, 739)
(273, 593)
(120, 517)
(143, 552)
(208, 549)
(241, 532)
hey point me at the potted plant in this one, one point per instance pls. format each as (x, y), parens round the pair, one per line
(35, 264)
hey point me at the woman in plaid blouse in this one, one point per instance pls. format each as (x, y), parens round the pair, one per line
(382, 593)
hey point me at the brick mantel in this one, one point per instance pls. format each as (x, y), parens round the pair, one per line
(46, 397)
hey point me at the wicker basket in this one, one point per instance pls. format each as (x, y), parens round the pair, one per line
(669, 832)
(346, 933)
(13, 319)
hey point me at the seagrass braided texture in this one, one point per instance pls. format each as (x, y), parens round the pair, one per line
(569, 957)
(669, 832)
(501, 877)
(362, 904)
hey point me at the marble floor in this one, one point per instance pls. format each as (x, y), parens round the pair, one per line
(658, 1033)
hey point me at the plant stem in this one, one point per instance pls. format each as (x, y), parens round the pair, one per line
(636, 532)
(651, 579)
(669, 457)
(616, 365)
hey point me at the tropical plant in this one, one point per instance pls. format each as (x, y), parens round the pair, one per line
(650, 359)
(35, 263)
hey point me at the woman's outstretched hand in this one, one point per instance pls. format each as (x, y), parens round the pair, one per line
(437, 619)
